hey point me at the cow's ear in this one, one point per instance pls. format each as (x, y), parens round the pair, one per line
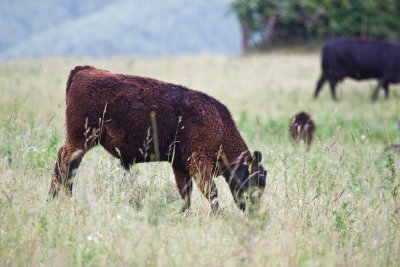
(255, 160)
(257, 157)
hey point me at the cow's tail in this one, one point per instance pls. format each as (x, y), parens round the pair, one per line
(73, 73)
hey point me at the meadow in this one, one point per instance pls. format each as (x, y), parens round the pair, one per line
(337, 205)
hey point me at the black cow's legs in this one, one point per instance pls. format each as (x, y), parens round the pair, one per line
(320, 83)
(386, 88)
(332, 83)
(375, 94)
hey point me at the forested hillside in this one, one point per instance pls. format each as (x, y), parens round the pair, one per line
(100, 28)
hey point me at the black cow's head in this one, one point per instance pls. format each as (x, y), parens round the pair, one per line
(247, 180)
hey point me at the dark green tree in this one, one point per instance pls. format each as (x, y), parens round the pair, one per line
(287, 21)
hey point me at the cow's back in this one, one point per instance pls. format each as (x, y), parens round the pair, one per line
(359, 58)
(122, 104)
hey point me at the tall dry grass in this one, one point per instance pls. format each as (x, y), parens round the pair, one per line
(337, 205)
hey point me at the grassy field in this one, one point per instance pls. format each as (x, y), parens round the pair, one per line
(338, 205)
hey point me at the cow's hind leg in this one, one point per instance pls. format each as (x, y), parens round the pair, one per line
(320, 83)
(203, 171)
(332, 84)
(68, 160)
(185, 186)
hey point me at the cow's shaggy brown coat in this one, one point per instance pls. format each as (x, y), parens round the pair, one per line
(301, 128)
(194, 131)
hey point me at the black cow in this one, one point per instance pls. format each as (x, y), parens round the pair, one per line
(360, 59)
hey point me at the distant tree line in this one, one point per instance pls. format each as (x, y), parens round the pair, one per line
(267, 22)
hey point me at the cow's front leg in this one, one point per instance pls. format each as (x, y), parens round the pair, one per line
(386, 88)
(375, 93)
(184, 184)
(203, 171)
(68, 160)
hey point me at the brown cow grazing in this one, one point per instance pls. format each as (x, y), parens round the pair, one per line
(302, 128)
(114, 110)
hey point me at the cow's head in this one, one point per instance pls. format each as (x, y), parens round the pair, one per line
(247, 180)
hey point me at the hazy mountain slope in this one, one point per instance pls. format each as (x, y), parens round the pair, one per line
(20, 19)
(138, 28)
